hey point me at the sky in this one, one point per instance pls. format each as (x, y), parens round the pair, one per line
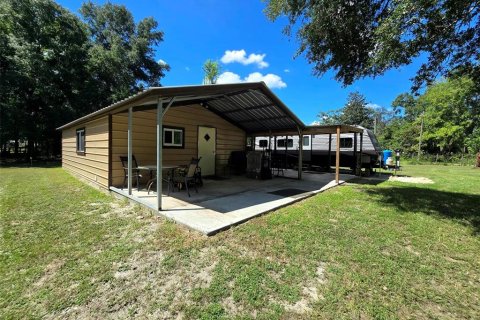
(249, 47)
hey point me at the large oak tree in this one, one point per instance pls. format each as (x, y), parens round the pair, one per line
(367, 37)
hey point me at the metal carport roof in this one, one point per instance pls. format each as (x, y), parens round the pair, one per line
(250, 106)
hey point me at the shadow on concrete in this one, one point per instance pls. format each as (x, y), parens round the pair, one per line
(465, 208)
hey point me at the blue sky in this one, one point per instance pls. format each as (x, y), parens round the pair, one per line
(220, 29)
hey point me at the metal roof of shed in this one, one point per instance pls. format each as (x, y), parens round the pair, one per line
(250, 106)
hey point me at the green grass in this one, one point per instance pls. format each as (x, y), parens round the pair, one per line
(368, 249)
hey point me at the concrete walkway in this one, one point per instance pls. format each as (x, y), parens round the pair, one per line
(220, 204)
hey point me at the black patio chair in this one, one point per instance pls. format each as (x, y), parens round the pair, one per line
(190, 176)
(135, 172)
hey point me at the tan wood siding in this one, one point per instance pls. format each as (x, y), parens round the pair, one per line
(93, 165)
(229, 137)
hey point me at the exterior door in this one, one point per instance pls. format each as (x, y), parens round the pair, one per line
(207, 137)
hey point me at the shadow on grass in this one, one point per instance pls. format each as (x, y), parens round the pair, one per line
(33, 164)
(462, 207)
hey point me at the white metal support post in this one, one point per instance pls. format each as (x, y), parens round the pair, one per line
(160, 113)
(130, 151)
(159, 152)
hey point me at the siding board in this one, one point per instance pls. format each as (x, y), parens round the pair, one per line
(93, 165)
(229, 137)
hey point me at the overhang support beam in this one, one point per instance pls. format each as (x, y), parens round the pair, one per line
(337, 157)
(300, 153)
(130, 149)
(160, 113)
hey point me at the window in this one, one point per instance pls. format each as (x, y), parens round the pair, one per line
(281, 143)
(346, 142)
(173, 137)
(81, 141)
(263, 143)
(306, 141)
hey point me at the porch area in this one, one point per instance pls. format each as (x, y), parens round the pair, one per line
(225, 202)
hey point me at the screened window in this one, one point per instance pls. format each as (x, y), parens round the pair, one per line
(346, 142)
(173, 137)
(306, 141)
(281, 143)
(263, 143)
(81, 141)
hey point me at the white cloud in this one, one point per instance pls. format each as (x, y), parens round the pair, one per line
(315, 123)
(286, 70)
(271, 80)
(229, 77)
(240, 56)
(162, 62)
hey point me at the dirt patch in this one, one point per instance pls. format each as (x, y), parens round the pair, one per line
(310, 293)
(49, 272)
(143, 279)
(411, 250)
(421, 180)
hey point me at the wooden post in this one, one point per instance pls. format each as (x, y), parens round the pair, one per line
(337, 158)
(129, 149)
(329, 152)
(361, 149)
(355, 157)
(300, 154)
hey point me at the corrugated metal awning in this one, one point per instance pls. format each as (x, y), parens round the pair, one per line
(251, 106)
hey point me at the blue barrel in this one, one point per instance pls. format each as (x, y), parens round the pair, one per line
(386, 154)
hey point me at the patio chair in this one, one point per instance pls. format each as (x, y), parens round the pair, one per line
(191, 176)
(135, 172)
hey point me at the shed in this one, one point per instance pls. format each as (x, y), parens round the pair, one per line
(170, 125)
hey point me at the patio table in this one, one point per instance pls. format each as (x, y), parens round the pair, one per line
(152, 167)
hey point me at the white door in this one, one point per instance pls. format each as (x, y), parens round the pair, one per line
(207, 138)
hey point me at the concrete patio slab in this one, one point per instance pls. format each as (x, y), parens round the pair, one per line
(220, 204)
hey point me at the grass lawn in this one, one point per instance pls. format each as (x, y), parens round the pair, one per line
(363, 250)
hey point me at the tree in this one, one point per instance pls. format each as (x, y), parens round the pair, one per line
(329, 117)
(356, 111)
(211, 71)
(42, 69)
(450, 112)
(122, 52)
(366, 38)
(54, 67)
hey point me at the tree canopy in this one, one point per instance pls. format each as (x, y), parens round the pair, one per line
(355, 112)
(365, 38)
(449, 110)
(55, 67)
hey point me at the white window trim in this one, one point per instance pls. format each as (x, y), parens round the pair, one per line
(79, 146)
(309, 141)
(173, 144)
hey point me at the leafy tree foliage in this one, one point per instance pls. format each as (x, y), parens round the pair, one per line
(42, 73)
(55, 67)
(355, 112)
(211, 70)
(450, 112)
(121, 52)
(366, 38)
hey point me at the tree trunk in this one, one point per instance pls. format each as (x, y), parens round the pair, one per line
(478, 160)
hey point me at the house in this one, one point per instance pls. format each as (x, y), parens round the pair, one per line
(208, 121)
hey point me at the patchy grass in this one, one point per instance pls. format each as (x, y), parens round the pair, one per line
(369, 249)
